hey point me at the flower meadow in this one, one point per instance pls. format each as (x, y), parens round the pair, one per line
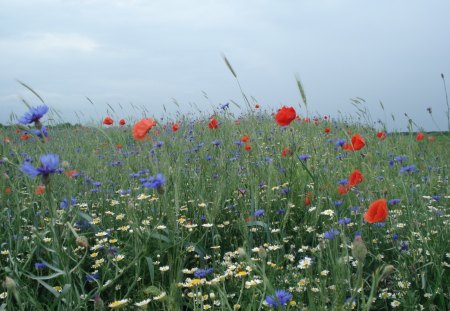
(262, 211)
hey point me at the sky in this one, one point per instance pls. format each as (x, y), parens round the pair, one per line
(139, 56)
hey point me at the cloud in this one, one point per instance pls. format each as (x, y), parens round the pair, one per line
(50, 42)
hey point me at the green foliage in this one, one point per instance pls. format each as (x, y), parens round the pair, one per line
(148, 243)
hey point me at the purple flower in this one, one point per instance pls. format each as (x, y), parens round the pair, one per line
(203, 273)
(259, 212)
(340, 142)
(40, 265)
(343, 182)
(304, 157)
(49, 165)
(154, 182)
(330, 234)
(280, 299)
(158, 144)
(39, 133)
(408, 169)
(344, 221)
(34, 114)
(393, 201)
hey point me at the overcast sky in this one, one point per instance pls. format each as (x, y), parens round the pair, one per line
(119, 52)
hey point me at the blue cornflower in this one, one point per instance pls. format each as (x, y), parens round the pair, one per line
(400, 159)
(49, 165)
(64, 203)
(40, 265)
(404, 246)
(408, 169)
(330, 234)
(225, 106)
(203, 273)
(395, 237)
(355, 209)
(304, 157)
(340, 142)
(280, 299)
(343, 182)
(39, 133)
(394, 201)
(338, 203)
(280, 211)
(154, 182)
(259, 212)
(344, 221)
(158, 144)
(34, 114)
(340, 156)
(208, 158)
(436, 197)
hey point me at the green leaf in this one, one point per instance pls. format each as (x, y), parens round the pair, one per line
(160, 237)
(151, 268)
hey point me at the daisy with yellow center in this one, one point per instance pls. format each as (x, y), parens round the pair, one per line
(118, 304)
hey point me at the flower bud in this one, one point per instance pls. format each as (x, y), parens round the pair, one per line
(359, 249)
(9, 283)
(82, 241)
(262, 253)
(98, 303)
(388, 269)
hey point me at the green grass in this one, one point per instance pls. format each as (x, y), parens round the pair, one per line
(146, 243)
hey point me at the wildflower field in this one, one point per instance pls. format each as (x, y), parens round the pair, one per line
(286, 211)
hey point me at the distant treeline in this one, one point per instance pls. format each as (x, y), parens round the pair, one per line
(55, 126)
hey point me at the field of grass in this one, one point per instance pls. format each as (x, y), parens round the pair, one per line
(250, 215)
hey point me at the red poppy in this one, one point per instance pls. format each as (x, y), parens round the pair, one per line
(118, 146)
(141, 128)
(342, 189)
(248, 147)
(381, 135)
(420, 136)
(431, 138)
(108, 121)
(213, 124)
(24, 136)
(71, 173)
(377, 211)
(175, 127)
(39, 190)
(257, 106)
(245, 138)
(285, 116)
(308, 198)
(122, 122)
(357, 143)
(327, 130)
(355, 178)
(286, 151)
(8, 190)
